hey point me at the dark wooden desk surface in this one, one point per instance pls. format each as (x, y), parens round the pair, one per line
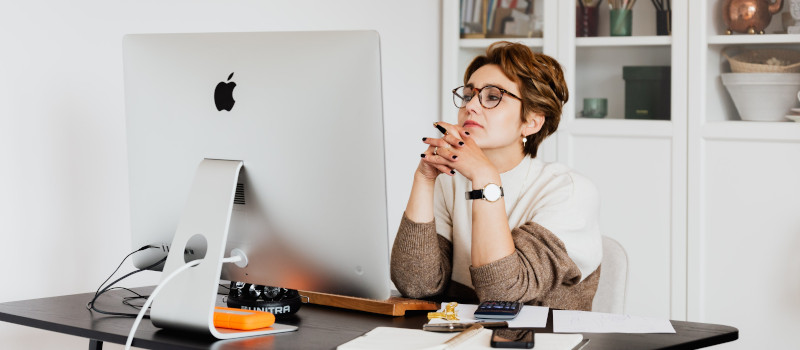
(319, 327)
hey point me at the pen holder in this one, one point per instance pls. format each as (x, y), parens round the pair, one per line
(664, 22)
(586, 21)
(621, 22)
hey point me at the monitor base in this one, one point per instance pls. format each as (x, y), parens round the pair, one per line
(187, 302)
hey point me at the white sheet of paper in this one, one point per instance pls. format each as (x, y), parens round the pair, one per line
(530, 316)
(390, 338)
(565, 321)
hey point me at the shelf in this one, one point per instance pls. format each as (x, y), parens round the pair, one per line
(615, 41)
(752, 131)
(621, 127)
(754, 39)
(484, 43)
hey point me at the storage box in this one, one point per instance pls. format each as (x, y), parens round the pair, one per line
(647, 92)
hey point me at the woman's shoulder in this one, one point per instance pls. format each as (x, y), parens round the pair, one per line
(555, 171)
(561, 178)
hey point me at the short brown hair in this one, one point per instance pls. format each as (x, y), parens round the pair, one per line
(540, 80)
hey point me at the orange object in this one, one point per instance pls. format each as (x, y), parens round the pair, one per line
(245, 320)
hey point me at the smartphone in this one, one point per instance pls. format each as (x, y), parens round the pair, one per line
(520, 338)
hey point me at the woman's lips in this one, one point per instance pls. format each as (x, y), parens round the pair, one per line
(470, 123)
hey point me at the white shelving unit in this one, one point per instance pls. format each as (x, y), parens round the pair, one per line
(639, 165)
(743, 196)
(617, 41)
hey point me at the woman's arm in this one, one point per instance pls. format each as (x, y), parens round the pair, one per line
(539, 265)
(556, 270)
(421, 259)
(420, 262)
(491, 235)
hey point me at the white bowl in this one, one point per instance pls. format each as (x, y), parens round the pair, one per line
(762, 96)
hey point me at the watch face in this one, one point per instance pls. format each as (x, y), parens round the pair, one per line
(491, 192)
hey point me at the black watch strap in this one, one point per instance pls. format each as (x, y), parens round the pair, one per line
(478, 194)
(475, 194)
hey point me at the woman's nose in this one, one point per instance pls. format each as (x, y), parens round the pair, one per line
(474, 104)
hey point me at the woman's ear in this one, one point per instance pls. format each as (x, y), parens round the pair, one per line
(533, 124)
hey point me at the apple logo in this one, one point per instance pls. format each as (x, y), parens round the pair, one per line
(223, 95)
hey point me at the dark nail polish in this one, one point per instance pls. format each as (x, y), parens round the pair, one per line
(466, 132)
(424, 138)
(454, 157)
(453, 172)
(422, 155)
(460, 143)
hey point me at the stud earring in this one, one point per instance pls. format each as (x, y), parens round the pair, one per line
(524, 140)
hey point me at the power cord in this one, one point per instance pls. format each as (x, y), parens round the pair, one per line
(102, 290)
(184, 267)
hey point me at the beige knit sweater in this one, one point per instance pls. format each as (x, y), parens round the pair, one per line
(539, 272)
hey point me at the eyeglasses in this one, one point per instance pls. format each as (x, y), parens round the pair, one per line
(489, 96)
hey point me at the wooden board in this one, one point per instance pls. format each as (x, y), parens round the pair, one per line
(394, 306)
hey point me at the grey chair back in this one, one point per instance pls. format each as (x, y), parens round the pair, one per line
(612, 288)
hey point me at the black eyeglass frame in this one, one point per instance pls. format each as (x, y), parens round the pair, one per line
(503, 92)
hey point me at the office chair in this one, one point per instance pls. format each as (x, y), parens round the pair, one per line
(612, 287)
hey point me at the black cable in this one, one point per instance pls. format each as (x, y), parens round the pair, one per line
(90, 305)
(120, 265)
(127, 300)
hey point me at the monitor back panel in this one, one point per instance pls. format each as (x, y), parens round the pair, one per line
(307, 123)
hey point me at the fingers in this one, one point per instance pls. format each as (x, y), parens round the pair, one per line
(442, 149)
(450, 131)
(454, 135)
(433, 157)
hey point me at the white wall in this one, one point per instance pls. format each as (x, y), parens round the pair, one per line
(63, 179)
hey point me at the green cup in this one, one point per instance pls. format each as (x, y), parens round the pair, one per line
(621, 22)
(595, 107)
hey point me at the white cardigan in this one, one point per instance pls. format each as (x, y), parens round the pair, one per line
(550, 194)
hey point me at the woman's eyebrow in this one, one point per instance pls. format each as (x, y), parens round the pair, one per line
(471, 85)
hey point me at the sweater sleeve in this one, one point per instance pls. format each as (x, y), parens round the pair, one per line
(539, 270)
(421, 260)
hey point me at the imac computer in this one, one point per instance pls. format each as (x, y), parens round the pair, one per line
(268, 144)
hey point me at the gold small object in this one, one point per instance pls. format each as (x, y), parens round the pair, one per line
(432, 315)
(449, 313)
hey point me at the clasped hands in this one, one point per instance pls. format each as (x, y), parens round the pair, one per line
(455, 151)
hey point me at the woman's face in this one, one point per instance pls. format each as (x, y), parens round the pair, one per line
(498, 127)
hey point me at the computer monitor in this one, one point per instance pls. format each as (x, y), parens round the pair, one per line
(302, 111)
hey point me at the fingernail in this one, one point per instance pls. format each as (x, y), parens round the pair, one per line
(466, 132)
(453, 172)
(454, 157)
(460, 143)
(424, 138)
(422, 155)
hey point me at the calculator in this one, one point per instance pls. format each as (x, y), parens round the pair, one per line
(498, 310)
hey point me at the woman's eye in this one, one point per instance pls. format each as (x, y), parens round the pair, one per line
(467, 98)
(494, 97)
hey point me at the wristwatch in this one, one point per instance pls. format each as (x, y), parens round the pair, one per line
(490, 192)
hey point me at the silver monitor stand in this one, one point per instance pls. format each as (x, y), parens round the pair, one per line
(187, 302)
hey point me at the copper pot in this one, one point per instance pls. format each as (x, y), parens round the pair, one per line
(749, 16)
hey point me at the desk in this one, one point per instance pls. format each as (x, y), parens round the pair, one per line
(320, 327)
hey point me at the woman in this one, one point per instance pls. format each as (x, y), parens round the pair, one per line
(530, 232)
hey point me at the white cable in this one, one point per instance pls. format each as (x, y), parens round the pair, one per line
(172, 275)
